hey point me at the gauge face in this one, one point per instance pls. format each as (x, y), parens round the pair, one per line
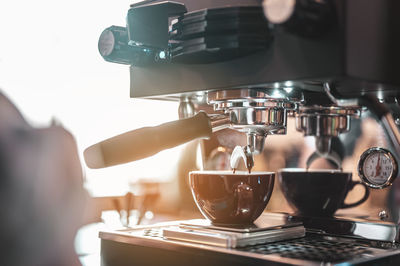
(377, 167)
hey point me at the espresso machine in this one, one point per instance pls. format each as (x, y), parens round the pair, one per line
(256, 63)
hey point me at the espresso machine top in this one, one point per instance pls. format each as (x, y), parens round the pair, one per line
(350, 44)
(324, 62)
(257, 61)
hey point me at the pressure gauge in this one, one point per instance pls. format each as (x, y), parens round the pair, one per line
(377, 168)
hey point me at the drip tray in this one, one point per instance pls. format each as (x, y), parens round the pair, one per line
(141, 244)
(314, 248)
(202, 231)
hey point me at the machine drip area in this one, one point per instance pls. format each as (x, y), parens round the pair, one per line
(263, 230)
(280, 238)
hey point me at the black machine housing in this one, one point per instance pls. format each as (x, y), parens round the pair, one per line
(357, 54)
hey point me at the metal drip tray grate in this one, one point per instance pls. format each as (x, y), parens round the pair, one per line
(309, 248)
(313, 249)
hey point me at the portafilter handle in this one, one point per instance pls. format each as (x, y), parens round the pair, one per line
(144, 142)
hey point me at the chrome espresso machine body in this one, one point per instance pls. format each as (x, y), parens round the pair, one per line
(258, 62)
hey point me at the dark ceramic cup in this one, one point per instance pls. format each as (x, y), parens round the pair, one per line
(318, 193)
(227, 198)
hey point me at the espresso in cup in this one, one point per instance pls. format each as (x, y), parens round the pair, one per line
(318, 192)
(228, 198)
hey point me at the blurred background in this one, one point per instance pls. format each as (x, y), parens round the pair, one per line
(50, 67)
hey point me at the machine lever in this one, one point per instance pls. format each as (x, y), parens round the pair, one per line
(144, 142)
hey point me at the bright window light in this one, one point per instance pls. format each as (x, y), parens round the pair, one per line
(50, 67)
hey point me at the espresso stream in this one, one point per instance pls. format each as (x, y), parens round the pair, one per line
(248, 169)
(244, 154)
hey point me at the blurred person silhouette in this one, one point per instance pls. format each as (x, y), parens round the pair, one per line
(41, 192)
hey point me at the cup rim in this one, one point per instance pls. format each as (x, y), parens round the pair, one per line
(230, 172)
(312, 171)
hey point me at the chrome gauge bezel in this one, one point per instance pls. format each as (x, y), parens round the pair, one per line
(361, 162)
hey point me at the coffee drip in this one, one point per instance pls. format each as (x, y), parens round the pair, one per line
(244, 153)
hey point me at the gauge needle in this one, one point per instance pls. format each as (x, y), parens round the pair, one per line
(378, 166)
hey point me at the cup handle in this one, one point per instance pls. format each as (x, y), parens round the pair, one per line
(363, 199)
(244, 196)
